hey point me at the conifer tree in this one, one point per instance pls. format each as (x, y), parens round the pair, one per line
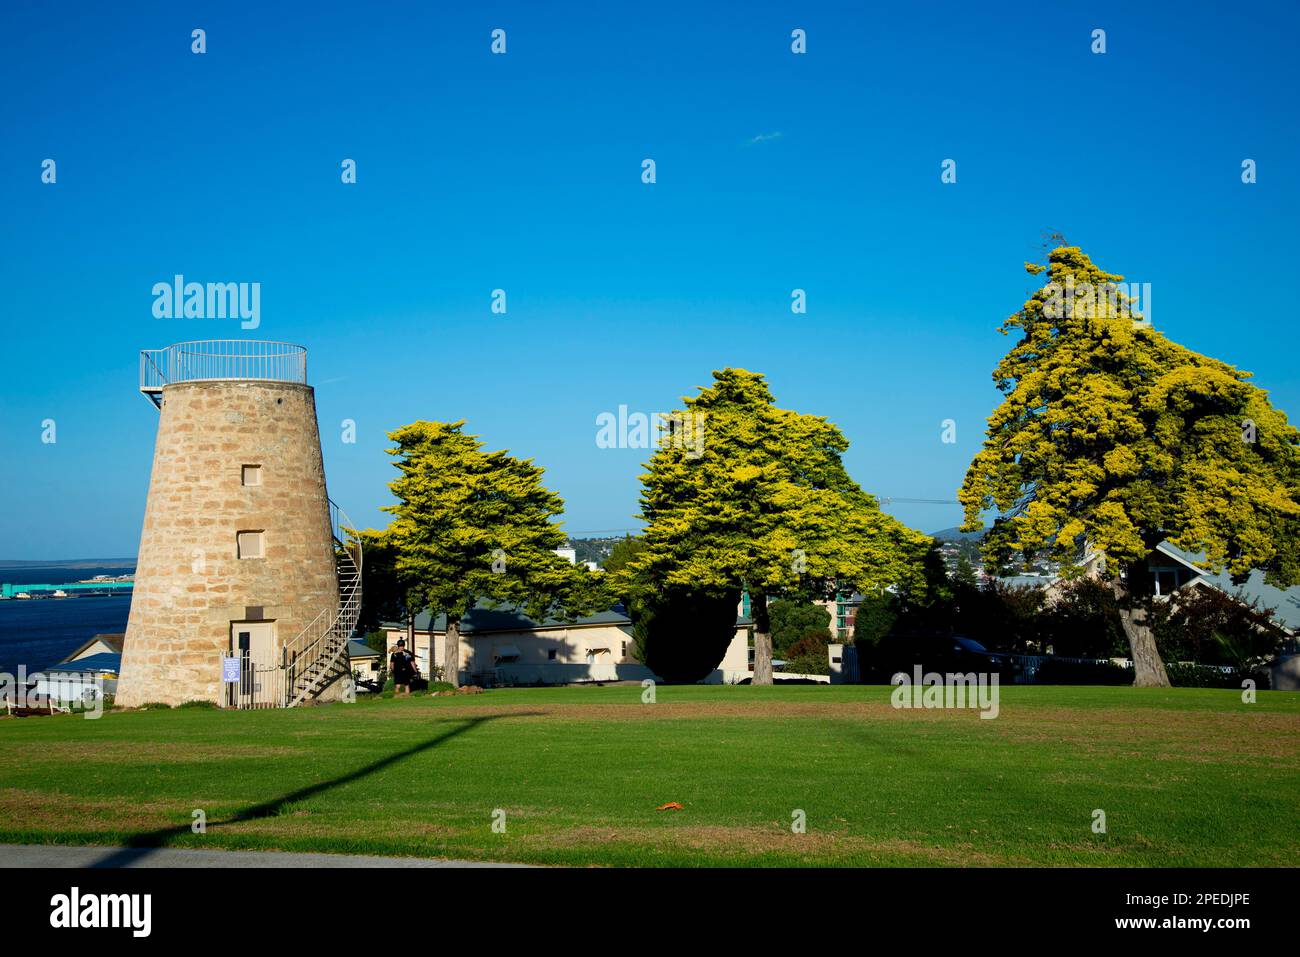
(472, 525)
(763, 503)
(1115, 438)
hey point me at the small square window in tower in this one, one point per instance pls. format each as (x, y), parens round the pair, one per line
(249, 544)
(251, 475)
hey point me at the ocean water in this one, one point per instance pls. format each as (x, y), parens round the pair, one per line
(42, 632)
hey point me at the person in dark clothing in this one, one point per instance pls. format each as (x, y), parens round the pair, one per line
(402, 665)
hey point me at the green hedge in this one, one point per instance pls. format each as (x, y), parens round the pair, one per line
(1188, 675)
(1054, 672)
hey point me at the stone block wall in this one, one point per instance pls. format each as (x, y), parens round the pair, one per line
(189, 583)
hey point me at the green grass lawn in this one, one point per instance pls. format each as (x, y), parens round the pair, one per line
(1185, 777)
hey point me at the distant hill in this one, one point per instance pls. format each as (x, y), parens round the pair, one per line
(955, 534)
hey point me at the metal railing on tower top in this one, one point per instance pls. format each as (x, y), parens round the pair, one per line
(215, 359)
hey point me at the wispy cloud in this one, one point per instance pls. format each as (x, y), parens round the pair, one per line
(764, 138)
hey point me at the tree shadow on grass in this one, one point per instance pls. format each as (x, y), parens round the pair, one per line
(141, 846)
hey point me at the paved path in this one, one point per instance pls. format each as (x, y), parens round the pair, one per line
(50, 855)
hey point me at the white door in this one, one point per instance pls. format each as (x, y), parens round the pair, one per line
(253, 642)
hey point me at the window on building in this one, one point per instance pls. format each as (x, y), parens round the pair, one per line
(550, 654)
(249, 544)
(251, 475)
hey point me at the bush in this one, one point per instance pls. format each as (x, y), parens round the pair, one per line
(377, 641)
(687, 632)
(875, 616)
(808, 656)
(1186, 674)
(1083, 621)
(807, 665)
(794, 621)
(155, 706)
(922, 605)
(1005, 618)
(1056, 672)
(1206, 626)
(209, 705)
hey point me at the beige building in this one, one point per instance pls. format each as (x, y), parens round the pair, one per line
(365, 661)
(101, 644)
(502, 646)
(239, 555)
(843, 610)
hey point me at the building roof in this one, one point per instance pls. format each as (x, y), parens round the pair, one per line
(102, 662)
(112, 642)
(488, 617)
(359, 649)
(1284, 603)
(1183, 557)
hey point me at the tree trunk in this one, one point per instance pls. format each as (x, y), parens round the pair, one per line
(1134, 598)
(451, 667)
(762, 642)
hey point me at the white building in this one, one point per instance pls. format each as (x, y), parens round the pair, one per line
(500, 645)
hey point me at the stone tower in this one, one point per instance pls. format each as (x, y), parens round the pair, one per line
(240, 555)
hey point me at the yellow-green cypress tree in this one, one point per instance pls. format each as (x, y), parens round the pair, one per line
(1113, 435)
(471, 525)
(763, 502)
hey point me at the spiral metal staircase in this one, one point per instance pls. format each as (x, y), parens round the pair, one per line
(318, 656)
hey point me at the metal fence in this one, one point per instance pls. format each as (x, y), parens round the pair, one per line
(222, 359)
(1029, 664)
(261, 681)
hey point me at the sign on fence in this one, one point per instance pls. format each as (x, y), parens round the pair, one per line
(230, 670)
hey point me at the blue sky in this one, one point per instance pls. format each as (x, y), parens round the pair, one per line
(523, 172)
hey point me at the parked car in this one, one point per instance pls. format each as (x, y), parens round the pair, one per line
(937, 653)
